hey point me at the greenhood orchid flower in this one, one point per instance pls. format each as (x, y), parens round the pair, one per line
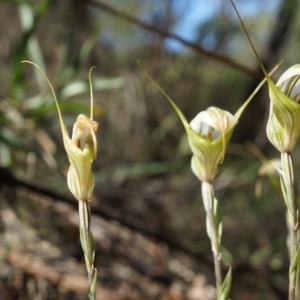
(81, 149)
(284, 118)
(283, 126)
(208, 134)
(283, 131)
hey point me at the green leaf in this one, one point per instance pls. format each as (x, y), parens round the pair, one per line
(285, 193)
(209, 230)
(295, 262)
(83, 239)
(40, 106)
(74, 107)
(90, 42)
(218, 219)
(93, 287)
(99, 83)
(26, 13)
(226, 286)
(30, 22)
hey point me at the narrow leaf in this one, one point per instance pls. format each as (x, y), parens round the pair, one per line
(226, 286)
(295, 262)
(93, 287)
(218, 219)
(284, 190)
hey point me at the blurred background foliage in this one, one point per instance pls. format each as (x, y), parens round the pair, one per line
(148, 221)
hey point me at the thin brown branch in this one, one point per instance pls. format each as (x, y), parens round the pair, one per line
(166, 34)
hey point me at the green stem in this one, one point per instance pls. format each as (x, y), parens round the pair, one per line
(287, 185)
(212, 228)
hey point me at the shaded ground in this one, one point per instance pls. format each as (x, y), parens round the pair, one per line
(161, 253)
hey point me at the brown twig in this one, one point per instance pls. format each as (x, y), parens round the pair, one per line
(166, 34)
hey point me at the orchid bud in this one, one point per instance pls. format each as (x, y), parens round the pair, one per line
(283, 126)
(81, 149)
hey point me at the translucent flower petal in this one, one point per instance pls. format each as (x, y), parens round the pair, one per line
(219, 119)
(289, 73)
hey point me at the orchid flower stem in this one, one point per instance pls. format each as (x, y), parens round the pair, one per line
(287, 183)
(86, 239)
(213, 224)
